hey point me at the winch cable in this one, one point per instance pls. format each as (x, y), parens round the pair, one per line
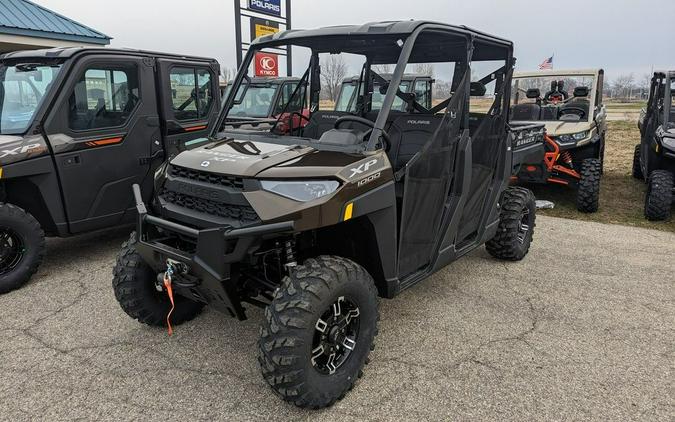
(169, 292)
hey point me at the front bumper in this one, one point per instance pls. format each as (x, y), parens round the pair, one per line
(206, 274)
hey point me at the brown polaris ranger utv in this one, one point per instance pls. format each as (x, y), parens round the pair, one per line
(313, 225)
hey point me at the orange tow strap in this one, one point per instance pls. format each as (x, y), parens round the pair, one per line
(169, 291)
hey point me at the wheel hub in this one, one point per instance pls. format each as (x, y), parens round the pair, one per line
(335, 336)
(524, 225)
(11, 250)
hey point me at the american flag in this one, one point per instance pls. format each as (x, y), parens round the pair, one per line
(546, 64)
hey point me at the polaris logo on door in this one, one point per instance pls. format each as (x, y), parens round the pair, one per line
(269, 7)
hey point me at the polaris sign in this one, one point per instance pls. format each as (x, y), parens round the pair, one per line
(268, 7)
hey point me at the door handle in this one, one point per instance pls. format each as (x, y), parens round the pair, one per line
(72, 160)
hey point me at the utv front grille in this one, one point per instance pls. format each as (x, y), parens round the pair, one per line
(202, 176)
(243, 213)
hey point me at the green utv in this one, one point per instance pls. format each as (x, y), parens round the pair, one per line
(315, 223)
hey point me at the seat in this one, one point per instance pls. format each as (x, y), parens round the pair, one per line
(321, 122)
(526, 112)
(580, 100)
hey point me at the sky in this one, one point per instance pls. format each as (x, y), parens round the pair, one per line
(621, 36)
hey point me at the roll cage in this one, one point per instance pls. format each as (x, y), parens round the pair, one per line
(401, 43)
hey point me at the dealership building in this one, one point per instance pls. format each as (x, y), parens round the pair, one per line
(25, 25)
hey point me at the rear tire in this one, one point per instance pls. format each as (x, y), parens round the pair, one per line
(588, 190)
(659, 198)
(637, 168)
(134, 287)
(295, 358)
(516, 225)
(22, 247)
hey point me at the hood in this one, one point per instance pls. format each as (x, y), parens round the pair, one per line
(239, 158)
(18, 148)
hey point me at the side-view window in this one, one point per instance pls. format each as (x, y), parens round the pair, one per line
(286, 92)
(191, 92)
(422, 91)
(103, 97)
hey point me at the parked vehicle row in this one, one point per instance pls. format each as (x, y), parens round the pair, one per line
(274, 201)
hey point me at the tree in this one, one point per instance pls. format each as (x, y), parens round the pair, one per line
(623, 86)
(426, 69)
(333, 71)
(382, 68)
(227, 74)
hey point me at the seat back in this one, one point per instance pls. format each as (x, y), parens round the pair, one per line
(321, 122)
(408, 134)
(526, 112)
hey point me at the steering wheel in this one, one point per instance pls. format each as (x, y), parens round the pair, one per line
(573, 110)
(365, 122)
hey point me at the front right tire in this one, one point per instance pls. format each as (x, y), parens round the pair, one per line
(659, 198)
(136, 292)
(22, 247)
(318, 331)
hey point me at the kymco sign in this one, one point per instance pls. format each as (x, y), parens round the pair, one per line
(266, 64)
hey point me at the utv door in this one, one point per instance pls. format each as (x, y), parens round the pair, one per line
(432, 177)
(190, 102)
(102, 128)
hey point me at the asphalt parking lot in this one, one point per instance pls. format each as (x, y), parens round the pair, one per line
(584, 328)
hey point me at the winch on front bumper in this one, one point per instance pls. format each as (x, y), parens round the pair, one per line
(203, 258)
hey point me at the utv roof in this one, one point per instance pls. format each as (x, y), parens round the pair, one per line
(388, 76)
(68, 52)
(570, 72)
(336, 38)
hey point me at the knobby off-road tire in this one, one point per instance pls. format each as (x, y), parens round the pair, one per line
(22, 247)
(588, 191)
(134, 287)
(291, 351)
(637, 168)
(659, 196)
(516, 225)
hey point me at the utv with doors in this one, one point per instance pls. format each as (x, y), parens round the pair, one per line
(419, 85)
(265, 98)
(570, 105)
(79, 127)
(313, 225)
(654, 159)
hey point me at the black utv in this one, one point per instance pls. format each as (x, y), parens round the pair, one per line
(654, 159)
(79, 127)
(314, 225)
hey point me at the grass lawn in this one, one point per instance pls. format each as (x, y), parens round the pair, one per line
(621, 196)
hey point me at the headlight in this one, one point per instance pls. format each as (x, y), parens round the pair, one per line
(573, 138)
(302, 191)
(669, 142)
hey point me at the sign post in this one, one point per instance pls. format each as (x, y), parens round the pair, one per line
(265, 17)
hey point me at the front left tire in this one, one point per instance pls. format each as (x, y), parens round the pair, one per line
(659, 198)
(588, 190)
(318, 331)
(22, 247)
